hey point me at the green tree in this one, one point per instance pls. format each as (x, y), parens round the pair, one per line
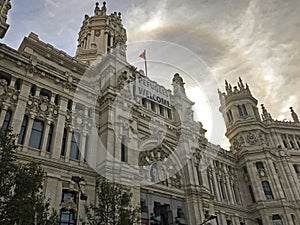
(113, 207)
(21, 200)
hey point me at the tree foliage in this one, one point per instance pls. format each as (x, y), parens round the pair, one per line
(21, 200)
(113, 207)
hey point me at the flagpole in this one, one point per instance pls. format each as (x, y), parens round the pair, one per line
(146, 70)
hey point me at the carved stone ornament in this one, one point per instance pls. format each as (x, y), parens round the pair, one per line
(8, 94)
(69, 204)
(42, 107)
(251, 138)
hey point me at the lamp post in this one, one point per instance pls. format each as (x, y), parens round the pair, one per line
(209, 219)
(81, 195)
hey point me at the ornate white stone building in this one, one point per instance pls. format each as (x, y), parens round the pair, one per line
(94, 114)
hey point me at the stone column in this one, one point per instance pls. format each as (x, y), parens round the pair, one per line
(82, 147)
(229, 189)
(45, 138)
(291, 178)
(21, 107)
(216, 183)
(2, 115)
(68, 145)
(256, 185)
(59, 128)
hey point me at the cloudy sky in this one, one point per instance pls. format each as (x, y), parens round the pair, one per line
(207, 41)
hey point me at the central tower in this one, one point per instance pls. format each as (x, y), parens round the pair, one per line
(99, 34)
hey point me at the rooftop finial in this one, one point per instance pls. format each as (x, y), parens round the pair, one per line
(265, 114)
(104, 6)
(294, 115)
(97, 9)
(240, 84)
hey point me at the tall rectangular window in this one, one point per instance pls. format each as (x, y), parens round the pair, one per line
(75, 143)
(123, 149)
(23, 130)
(36, 134)
(267, 189)
(7, 119)
(64, 142)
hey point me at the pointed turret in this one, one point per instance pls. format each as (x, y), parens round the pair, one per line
(265, 114)
(101, 34)
(294, 115)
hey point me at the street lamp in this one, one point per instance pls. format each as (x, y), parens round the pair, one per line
(209, 219)
(81, 195)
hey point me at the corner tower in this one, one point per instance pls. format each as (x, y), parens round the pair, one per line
(239, 108)
(5, 6)
(100, 34)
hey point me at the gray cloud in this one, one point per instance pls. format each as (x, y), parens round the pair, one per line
(257, 40)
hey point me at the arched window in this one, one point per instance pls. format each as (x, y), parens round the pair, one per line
(6, 77)
(49, 139)
(18, 84)
(229, 116)
(267, 189)
(259, 165)
(7, 119)
(258, 221)
(36, 134)
(23, 130)
(276, 219)
(242, 110)
(45, 94)
(64, 143)
(75, 142)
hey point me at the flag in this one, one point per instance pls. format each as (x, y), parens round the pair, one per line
(143, 55)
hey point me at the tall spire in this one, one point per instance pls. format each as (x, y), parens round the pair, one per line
(294, 115)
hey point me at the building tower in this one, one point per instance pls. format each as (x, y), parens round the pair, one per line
(263, 148)
(100, 34)
(5, 6)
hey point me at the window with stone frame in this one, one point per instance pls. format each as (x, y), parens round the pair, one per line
(64, 143)
(259, 166)
(267, 189)
(36, 134)
(7, 120)
(67, 214)
(123, 149)
(229, 116)
(276, 219)
(75, 143)
(242, 110)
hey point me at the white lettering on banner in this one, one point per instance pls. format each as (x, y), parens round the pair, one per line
(152, 91)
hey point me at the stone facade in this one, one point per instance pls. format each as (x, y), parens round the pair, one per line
(81, 116)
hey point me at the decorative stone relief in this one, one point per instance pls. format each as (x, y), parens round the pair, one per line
(9, 95)
(251, 138)
(42, 107)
